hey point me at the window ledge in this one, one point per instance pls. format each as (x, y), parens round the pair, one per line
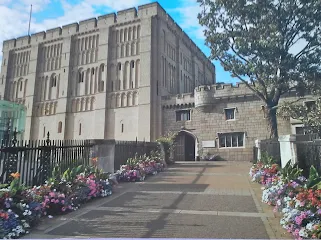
(231, 147)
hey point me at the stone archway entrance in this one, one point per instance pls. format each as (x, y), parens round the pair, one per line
(184, 147)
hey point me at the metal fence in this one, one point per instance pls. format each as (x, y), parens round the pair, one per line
(272, 148)
(35, 160)
(128, 149)
(255, 154)
(309, 153)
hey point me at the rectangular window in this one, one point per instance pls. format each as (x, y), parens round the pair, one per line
(299, 131)
(310, 105)
(183, 115)
(231, 140)
(229, 113)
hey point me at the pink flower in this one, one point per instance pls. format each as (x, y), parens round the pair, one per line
(62, 201)
(52, 200)
(51, 194)
(63, 209)
(57, 201)
(298, 220)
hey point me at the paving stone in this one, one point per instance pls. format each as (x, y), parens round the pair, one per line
(150, 186)
(185, 202)
(109, 224)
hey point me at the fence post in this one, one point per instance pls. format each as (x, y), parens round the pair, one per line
(258, 146)
(46, 159)
(288, 149)
(12, 160)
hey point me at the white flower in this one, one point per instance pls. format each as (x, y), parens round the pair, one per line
(303, 233)
(309, 226)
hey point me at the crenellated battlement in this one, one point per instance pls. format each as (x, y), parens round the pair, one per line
(127, 15)
(208, 95)
(179, 99)
(131, 14)
(38, 37)
(53, 33)
(23, 41)
(70, 29)
(222, 89)
(87, 24)
(83, 26)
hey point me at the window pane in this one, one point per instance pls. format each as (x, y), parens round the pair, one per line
(178, 116)
(222, 141)
(229, 114)
(228, 141)
(183, 115)
(240, 139)
(234, 140)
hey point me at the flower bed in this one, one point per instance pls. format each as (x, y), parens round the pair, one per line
(21, 208)
(297, 198)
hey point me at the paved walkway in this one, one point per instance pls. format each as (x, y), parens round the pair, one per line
(189, 200)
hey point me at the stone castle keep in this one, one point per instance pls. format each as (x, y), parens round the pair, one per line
(126, 76)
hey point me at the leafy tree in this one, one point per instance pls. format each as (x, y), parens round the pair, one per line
(273, 46)
(308, 114)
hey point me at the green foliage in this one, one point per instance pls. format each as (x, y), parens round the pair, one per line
(168, 141)
(314, 180)
(3, 186)
(267, 159)
(168, 138)
(309, 116)
(15, 186)
(291, 172)
(274, 45)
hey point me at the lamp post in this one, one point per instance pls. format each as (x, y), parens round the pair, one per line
(7, 132)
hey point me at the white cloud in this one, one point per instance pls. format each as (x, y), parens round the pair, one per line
(188, 12)
(14, 15)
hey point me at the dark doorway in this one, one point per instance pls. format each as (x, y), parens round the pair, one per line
(184, 147)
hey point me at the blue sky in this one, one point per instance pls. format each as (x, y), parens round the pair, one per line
(53, 13)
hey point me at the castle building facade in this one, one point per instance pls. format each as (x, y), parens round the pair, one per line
(102, 78)
(127, 76)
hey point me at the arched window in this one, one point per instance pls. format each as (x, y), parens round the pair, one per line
(60, 127)
(79, 129)
(80, 78)
(54, 81)
(122, 127)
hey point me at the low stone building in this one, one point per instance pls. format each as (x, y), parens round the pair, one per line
(223, 120)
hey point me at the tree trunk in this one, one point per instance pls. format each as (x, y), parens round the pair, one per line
(272, 121)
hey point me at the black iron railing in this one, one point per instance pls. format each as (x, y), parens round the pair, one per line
(35, 160)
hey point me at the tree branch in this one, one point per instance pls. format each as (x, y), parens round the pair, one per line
(260, 95)
(278, 106)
